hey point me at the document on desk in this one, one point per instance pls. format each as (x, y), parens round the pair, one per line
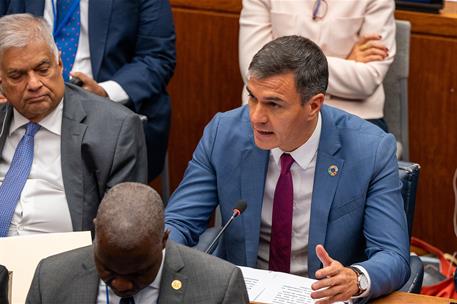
(272, 287)
(21, 254)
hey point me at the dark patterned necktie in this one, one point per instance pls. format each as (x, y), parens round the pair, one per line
(281, 227)
(68, 30)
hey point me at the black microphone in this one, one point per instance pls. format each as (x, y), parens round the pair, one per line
(240, 206)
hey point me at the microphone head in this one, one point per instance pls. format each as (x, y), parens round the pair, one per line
(240, 206)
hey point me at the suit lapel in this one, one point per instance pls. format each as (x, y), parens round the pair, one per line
(87, 280)
(99, 19)
(72, 135)
(171, 272)
(324, 188)
(254, 166)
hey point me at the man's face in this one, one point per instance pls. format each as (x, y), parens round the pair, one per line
(31, 80)
(277, 115)
(127, 272)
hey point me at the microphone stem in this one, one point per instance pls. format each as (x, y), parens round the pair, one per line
(213, 244)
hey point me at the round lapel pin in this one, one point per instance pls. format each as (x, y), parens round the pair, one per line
(176, 284)
(332, 170)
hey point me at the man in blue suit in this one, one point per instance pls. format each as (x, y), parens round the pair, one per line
(325, 179)
(126, 52)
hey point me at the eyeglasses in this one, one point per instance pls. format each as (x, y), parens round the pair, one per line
(320, 9)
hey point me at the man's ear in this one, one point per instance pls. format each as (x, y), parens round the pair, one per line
(166, 234)
(315, 103)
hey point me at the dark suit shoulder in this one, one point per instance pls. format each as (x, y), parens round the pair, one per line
(93, 104)
(71, 258)
(200, 260)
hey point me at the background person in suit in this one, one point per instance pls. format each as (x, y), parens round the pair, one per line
(125, 51)
(61, 147)
(358, 38)
(131, 255)
(311, 174)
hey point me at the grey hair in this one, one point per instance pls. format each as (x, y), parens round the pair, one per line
(294, 54)
(128, 214)
(18, 30)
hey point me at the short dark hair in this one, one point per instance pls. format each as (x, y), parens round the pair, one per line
(294, 54)
(128, 214)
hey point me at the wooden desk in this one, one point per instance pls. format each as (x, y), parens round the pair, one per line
(406, 298)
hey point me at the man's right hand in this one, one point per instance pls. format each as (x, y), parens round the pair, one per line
(368, 48)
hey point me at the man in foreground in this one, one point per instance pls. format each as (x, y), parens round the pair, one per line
(61, 147)
(131, 261)
(322, 185)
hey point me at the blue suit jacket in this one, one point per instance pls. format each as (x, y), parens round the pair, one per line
(357, 215)
(133, 43)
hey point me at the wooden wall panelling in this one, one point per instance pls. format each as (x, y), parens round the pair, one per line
(207, 78)
(433, 135)
(432, 124)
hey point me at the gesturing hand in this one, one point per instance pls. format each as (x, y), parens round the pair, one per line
(368, 48)
(336, 283)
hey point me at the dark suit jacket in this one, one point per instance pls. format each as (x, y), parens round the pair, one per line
(133, 43)
(71, 277)
(102, 145)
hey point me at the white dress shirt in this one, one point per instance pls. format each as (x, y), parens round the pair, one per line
(82, 59)
(42, 206)
(148, 295)
(303, 179)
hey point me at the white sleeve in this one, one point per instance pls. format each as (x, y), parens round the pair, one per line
(356, 80)
(255, 31)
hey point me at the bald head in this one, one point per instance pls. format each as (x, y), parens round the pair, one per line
(129, 214)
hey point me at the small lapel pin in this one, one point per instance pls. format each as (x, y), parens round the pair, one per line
(176, 284)
(332, 170)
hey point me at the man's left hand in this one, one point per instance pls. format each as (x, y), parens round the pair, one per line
(336, 282)
(90, 84)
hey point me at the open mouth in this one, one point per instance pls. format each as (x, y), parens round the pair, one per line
(264, 133)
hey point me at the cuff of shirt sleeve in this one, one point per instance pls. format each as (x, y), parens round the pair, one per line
(366, 292)
(115, 91)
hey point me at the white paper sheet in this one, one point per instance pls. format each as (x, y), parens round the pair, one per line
(271, 287)
(21, 255)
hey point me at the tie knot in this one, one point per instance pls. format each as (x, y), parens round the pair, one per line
(128, 300)
(32, 128)
(286, 162)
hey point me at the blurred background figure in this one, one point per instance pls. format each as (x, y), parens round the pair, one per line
(358, 38)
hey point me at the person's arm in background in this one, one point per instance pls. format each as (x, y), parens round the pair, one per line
(153, 63)
(353, 79)
(255, 31)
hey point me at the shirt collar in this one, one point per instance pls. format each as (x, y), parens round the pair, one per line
(156, 282)
(52, 122)
(305, 153)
